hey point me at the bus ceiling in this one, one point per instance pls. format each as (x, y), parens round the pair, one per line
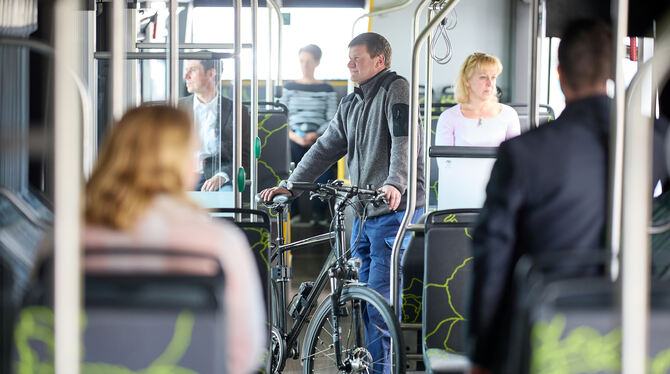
(287, 3)
(641, 16)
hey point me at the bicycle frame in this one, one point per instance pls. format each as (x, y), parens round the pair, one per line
(330, 272)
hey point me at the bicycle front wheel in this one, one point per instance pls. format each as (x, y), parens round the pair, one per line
(367, 327)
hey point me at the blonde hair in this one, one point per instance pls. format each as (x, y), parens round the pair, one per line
(145, 155)
(474, 62)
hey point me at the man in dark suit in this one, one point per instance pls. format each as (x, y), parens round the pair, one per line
(547, 192)
(208, 112)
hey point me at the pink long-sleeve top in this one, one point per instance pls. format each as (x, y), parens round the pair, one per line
(455, 129)
(172, 224)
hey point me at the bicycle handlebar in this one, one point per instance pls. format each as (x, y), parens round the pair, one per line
(323, 189)
(277, 200)
(332, 186)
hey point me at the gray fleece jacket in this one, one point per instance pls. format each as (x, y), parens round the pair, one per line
(370, 127)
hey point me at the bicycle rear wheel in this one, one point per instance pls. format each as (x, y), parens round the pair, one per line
(360, 355)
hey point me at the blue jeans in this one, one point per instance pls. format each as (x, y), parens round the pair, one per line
(374, 249)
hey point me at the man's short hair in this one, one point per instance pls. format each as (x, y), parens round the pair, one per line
(375, 44)
(210, 64)
(313, 50)
(585, 54)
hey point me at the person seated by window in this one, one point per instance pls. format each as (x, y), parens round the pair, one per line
(136, 198)
(213, 118)
(312, 104)
(478, 119)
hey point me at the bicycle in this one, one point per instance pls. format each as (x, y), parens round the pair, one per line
(323, 350)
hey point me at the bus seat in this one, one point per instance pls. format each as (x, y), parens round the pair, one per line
(273, 164)
(572, 325)
(411, 266)
(24, 221)
(258, 234)
(145, 320)
(660, 242)
(546, 114)
(447, 272)
(411, 291)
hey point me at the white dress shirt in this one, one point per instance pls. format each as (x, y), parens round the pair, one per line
(207, 126)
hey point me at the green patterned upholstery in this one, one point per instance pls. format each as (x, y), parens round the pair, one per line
(447, 272)
(574, 328)
(258, 234)
(132, 323)
(273, 164)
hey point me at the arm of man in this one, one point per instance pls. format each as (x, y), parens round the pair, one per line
(397, 112)
(494, 243)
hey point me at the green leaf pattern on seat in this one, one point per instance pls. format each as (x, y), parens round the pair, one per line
(36, 325)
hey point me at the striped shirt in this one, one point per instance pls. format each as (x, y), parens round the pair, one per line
(311, 106)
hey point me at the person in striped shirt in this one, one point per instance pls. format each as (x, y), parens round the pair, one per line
(312, 104)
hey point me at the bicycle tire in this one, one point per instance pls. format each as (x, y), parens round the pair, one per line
(318, 351)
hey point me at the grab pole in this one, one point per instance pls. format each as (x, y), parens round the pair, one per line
(253, 162)
(413, 150)
(636, 211)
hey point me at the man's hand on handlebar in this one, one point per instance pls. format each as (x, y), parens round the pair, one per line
(269, 193)
(392, 195)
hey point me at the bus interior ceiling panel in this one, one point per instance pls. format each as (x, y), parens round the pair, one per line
(287, 3)
(641, 16)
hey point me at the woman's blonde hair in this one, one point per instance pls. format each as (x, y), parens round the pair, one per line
(474, 62)
(144, 155)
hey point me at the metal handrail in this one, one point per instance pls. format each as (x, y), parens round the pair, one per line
(413, 150)
(428, 108)
(173, 55)
(237, 106)
(25, 209)
(616, 138)
(636, 214)
(253, 162)
(417, 17)
(104, 55)
(117, 30)
(536, 16)
(280, 23)
(441, 151)
(67, 200)
(379, 13)
(144, 45)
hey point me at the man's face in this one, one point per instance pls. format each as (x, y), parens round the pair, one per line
(197, 79)
(361, 66)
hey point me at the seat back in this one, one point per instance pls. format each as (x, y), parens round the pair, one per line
(447, 271)
(660, 241)
(546, 114)
(411, 268)
(147, 320)
(275, 158)
(258, 234)
(574, 327)
(23, 224)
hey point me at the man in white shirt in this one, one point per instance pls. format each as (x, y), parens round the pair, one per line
(213, 124)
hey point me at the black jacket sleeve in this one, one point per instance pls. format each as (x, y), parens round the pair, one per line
(494, 242)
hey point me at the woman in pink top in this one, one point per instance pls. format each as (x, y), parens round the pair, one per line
(135, 198)
(478, 119)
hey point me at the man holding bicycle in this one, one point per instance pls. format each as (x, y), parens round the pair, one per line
(370, 128)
